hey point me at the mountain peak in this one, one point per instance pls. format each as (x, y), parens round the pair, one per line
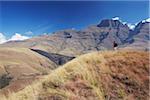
(110, 23)
(116, 21)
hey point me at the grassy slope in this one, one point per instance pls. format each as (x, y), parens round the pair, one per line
(95, 76)
(21, 63)
(23, 56)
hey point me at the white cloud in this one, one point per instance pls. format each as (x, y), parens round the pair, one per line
(45, 33)
(115, 18)
(18, 36)
(2, 38)
(15, 37)
(29, 33)
(73, 28)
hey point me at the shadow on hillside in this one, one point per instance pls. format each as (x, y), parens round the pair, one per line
(56, 58)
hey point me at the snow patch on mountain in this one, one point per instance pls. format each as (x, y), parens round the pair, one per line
(131, 26)
(146, 20)
(115, 18)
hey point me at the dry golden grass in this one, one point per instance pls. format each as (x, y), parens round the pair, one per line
(23, 65)
(94, 76)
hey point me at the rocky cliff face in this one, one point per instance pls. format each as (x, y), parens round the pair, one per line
(108, 31)
(139, 37)
(142, 31)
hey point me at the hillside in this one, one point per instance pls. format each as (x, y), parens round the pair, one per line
(103, 75)
(20, 66)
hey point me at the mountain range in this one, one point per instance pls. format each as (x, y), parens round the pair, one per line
(93, 38)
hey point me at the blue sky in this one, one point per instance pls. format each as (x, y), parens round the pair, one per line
(32, 18)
